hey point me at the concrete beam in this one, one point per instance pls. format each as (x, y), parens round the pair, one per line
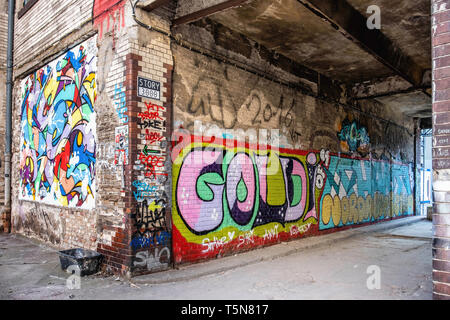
(192, 10)
(385, 87)
(150, 5)
(353, 25)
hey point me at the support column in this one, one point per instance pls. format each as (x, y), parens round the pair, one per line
(441, 148)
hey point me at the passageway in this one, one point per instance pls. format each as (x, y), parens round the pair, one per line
(330, 270)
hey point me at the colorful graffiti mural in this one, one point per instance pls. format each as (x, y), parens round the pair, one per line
(240, 197)
(152, 240)
(58, 143)
(354, 137)
(232, 198)
(360, 191)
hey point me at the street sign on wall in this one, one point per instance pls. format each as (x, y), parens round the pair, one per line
(149, 88)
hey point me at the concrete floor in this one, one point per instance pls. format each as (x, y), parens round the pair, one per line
(333, 266)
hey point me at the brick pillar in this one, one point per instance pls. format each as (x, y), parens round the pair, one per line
(441, 148)
(119, 255)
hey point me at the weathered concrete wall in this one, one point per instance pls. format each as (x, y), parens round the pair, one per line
(309, 165)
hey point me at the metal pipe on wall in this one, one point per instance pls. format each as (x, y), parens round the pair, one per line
(9, 95)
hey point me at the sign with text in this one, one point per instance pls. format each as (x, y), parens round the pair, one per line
(148, 88)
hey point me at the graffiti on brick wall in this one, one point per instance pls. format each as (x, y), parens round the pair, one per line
(120, 103)
(109, 12)
(150, 217)
(150, 223)
(250, 189)
(153, 260)
(152, 239)
(354, 137)
(152, 156)
(228, 198)
(359, 191)
(145, 190)
(121, 146)
(58, 142)
(241, 196)
(152, 118)
(212, 101)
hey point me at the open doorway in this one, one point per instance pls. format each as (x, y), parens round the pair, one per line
(425, 171)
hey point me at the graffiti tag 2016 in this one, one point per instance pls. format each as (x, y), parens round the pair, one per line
(230, 198)
(212, 100)
(58, 140)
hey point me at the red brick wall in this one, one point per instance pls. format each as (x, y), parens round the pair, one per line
(441, 148)
(150, 127)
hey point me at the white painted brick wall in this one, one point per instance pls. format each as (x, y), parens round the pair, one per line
(46, 23)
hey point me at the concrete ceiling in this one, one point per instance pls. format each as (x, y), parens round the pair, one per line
(288, 28)
(407, 23)
(331, 38)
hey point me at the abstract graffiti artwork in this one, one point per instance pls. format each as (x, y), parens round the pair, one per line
(229, 198)
(354, 137)
(58, 122)
(360, 191)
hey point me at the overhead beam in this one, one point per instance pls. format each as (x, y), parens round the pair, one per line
(150, 5)
(199, 14)
(392, 93)
(385, 87)
(353, 25)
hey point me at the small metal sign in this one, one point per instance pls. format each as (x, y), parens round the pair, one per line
(148, 88)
